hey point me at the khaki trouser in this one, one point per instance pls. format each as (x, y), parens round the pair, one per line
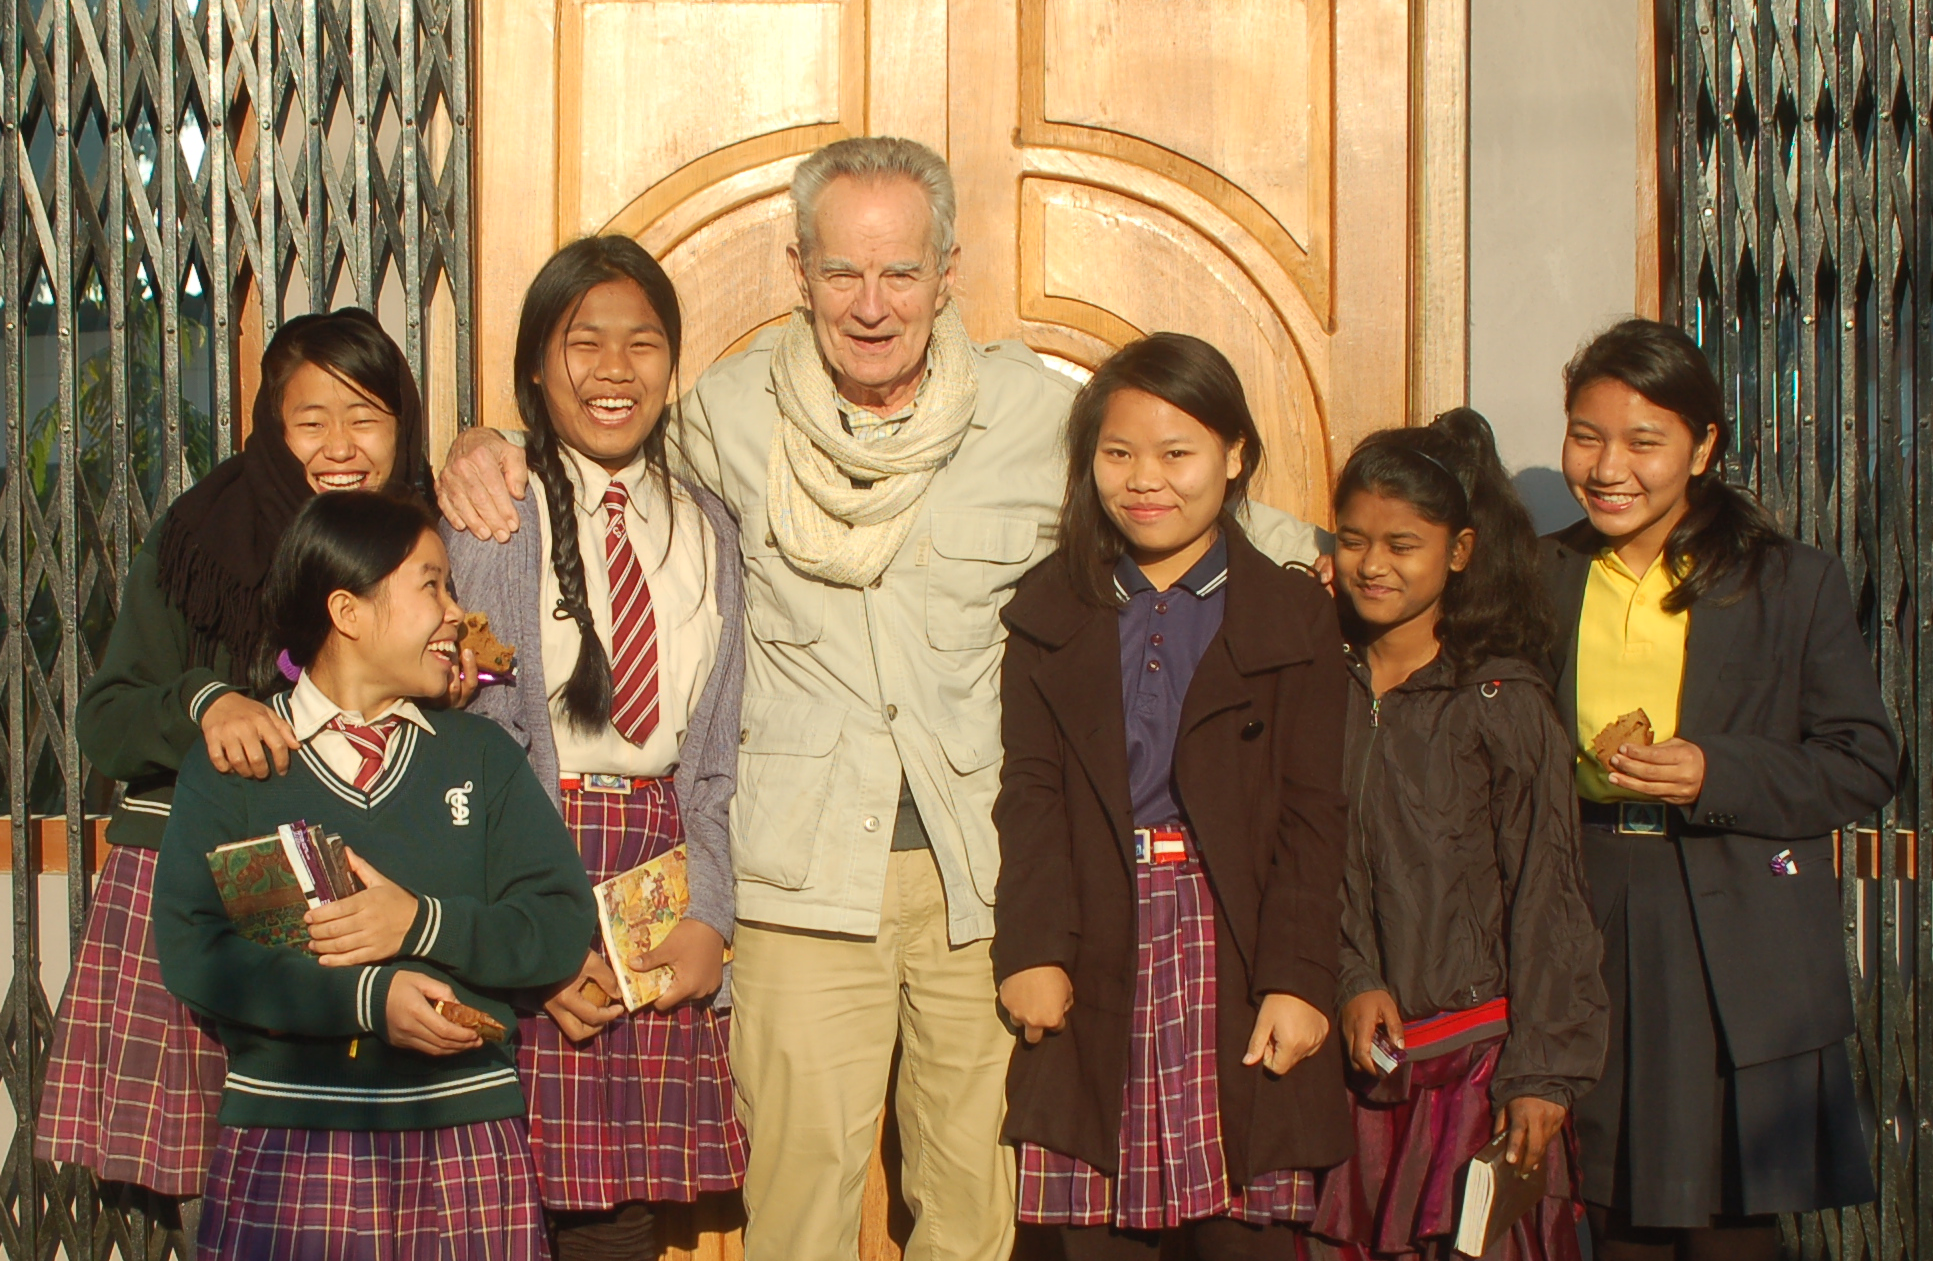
(814, 1021)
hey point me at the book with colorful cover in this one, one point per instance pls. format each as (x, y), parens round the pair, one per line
(636, 911)
(268, 883)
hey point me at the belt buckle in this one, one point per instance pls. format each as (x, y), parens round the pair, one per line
(1160, 845)
(1641, 818)
(607, 783)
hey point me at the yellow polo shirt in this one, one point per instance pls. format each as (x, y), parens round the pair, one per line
(1630, 655)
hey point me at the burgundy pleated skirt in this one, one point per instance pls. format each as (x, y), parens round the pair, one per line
(642, 1111)
(1401, 1193)
(135, 1078)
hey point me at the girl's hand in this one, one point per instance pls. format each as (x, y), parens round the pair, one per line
(413, 1023)
(578, 1016)
(463, 680)
(477, 485)
(1038, 999)
(366, 927)
(695, 953)
(1287, 1031)
(1673, 770)
(1325, 567)
(1361, 1017)
(243, 736)
(1531, 1124)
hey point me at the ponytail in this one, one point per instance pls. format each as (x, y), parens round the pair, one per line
(548, 304)
(1727, 533)
(1451, 475)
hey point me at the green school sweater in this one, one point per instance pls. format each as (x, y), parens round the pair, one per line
(141, 710)
(457, 818)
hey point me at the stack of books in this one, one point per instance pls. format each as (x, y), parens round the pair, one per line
(268, 883)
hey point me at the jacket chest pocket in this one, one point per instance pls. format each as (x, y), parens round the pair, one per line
(782, 606)
(976, 558)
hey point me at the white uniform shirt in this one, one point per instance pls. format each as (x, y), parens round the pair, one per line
(310, 713)
(682, 599)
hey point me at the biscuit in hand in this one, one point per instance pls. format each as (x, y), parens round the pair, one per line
(492, 653)
(1631, 728)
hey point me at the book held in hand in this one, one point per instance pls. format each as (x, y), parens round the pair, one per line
(636, 911)
(1495, 1195)
(268, 883)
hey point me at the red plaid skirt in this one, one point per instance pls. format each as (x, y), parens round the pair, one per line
(1401, 1194)
(643, 1111)
(461, 1193)
(135, 1079)
(1172, 1166)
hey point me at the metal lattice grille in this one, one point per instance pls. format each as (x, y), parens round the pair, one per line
(1806, 234)
(176, 177)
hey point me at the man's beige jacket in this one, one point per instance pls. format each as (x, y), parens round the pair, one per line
(846, 687)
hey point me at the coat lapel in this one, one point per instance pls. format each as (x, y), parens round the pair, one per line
(1717, 630)
(1567, 594)
(1081, 682)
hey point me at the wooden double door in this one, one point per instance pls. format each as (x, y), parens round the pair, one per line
(1281, 177)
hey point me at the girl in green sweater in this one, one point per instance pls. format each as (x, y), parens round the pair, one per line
(134, 1079)
(358, 1119)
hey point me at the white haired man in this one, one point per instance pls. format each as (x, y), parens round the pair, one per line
(893, 481)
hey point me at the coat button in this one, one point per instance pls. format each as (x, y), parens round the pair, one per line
(892, 712)
(744, 734)
(1253, 730)
(771, 540)
(870, 823)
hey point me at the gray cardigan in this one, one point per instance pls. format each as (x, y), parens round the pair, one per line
(505, 579)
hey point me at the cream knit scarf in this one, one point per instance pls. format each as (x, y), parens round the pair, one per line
(826, 526)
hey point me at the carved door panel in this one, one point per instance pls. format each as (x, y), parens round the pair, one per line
(1244, 170)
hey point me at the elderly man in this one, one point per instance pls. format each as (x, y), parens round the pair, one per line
(893, 481)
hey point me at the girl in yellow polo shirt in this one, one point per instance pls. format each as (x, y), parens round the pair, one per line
(1728, 1095)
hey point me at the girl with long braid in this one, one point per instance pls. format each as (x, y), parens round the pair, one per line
(621, 592)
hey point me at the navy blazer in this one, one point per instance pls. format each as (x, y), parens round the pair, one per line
(1779, 693)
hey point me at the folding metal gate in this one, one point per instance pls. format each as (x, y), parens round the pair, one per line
(1805, 239)
(176, 177)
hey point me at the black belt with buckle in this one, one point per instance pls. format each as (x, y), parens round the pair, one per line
(1627, 818)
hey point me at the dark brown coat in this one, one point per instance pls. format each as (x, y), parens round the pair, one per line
(1258, 764)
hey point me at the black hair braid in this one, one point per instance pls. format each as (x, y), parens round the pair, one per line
(587, 694)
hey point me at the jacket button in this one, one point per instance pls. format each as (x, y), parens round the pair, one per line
(771, 540)
(744, 734)
(870, 823)
(1253, 730)
(892, 712)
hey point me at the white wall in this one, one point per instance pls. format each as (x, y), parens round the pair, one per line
(1553, 207)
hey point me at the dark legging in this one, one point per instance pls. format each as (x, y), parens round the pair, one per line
(1211, 1239)
(624, 1233)
(1614, 1238)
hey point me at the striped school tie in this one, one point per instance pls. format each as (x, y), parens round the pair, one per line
(634, 629)
(369, 743)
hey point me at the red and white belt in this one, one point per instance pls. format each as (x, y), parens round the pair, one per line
(1161, 845)
(605, 783)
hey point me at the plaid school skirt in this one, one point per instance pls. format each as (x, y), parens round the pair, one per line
(1401, 1194)
(135, 1079)
(460, 1193)
(642, 1111)
(1172, 1166)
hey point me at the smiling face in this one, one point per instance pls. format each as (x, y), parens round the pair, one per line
(1162, 476)
(607, 374)
(874, 287)
(402, 636)
(1394, 563)
(1629, 462)
(343, 438)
